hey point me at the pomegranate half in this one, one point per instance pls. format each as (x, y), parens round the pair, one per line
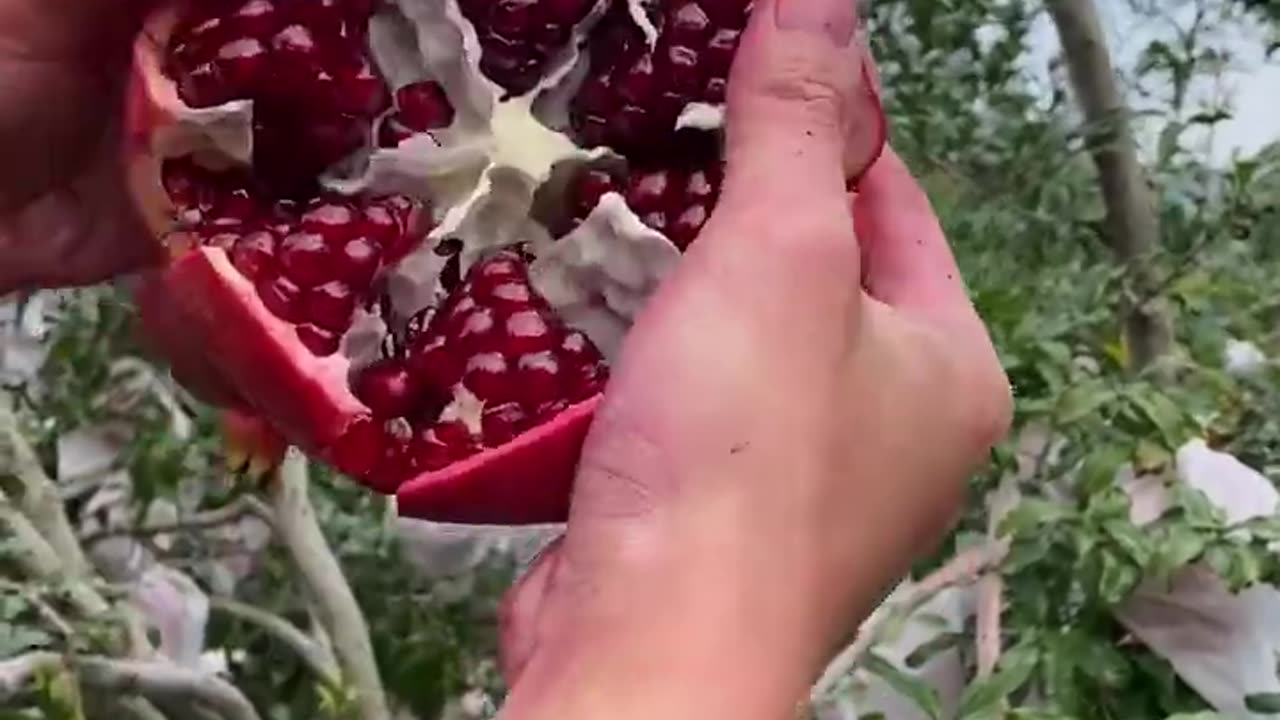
(410, 235)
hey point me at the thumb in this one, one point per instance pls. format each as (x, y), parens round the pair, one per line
(783, 228)
(801, 84)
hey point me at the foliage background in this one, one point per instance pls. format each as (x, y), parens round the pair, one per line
(1007, 165)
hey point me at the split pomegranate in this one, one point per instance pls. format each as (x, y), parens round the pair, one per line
(368, 310)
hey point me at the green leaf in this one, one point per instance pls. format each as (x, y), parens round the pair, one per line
(1032, 513)
(1100, 465)
(1264, 703)
(1167, 418)
(1081, 401)
(992, 693)
(910, 687)
(1105, 664)
(1131, 540)
(1117, 580)
(1177, 547)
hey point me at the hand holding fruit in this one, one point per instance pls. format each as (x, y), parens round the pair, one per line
(778, 444)
(66, 217)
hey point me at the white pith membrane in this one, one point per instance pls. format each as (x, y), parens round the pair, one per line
(500, 166)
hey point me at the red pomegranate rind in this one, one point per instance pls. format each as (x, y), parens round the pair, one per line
(528, 481)
(164, 325)
(304, 396)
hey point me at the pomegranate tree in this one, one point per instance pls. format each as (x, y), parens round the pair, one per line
(410, 235)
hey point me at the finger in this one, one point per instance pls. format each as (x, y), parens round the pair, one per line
(519, 615)
(907, 262)
(783, 219)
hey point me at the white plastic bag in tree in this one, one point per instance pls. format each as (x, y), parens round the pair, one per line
(1242, 358)
(1223, 646)
(863, 693)
(443, 550)
(178, 610)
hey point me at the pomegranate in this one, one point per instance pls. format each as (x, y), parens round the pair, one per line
(409, 236)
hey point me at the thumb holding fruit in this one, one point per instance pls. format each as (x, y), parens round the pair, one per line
(778, 443)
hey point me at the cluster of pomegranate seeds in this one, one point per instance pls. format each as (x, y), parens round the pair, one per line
(490, 363)
(304, 63)
(675, 201)
(518, 37)
(634, 92)
(311, 263)
(420, 108)
(673, 193)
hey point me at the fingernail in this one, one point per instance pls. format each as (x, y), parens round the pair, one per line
(837, 19)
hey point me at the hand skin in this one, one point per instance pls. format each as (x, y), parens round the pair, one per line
(65, 213)
(778, 444)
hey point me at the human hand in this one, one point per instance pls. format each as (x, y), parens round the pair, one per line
(65, 213)
(778, 443)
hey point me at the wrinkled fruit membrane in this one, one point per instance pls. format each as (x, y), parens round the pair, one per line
(409, 236)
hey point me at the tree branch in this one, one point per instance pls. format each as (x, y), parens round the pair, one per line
(964, 569)
(326, 584)
(1134, 226)
(284, 632)
(36, 495)
(158, 681)
(234, 511)
(38, 559)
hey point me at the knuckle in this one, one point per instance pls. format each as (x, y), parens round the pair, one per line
(991, 406)
(803, 87)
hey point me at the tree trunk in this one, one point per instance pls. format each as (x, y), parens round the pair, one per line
(1133, 225)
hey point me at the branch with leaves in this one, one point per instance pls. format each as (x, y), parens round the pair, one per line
(964, 569)
(162, 682)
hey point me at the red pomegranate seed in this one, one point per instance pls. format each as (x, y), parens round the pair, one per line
(257, 18)
(502, 423)
(435, 365)
(307, 259)
(388, 389)
(685, 229)
(648, 192)
(254, 255)
(282, 297)
(527, 332)
(204, 86)
(538, 379)
(591, 186)
(332, 220)
(362, 93)
(243, 65)
(360, 450)
(331, 305)
(381, 225)
(487, 376)
(424, 106)
(358, 262)
(324, 17)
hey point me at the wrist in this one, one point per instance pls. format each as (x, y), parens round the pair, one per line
(690, 635)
